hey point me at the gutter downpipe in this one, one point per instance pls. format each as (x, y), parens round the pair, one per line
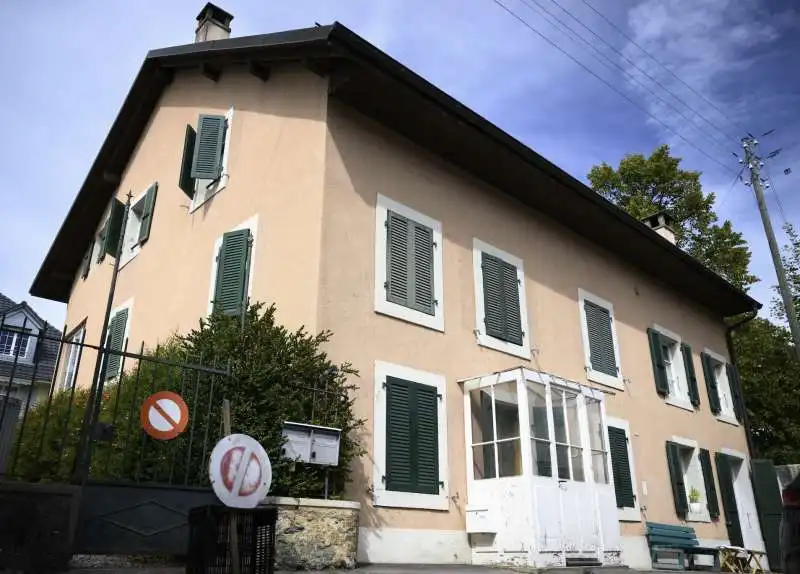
(732, 354)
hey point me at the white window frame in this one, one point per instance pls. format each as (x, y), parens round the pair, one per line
(592, 375)
(73, 355)
(130, 249)
(128, 304)
(204, 189)
(723, 386)
(252, 224)
(698, 480)
(16, 331)
(522, 351)
(633, 513)
(678, 367)
(382, 304)
(394, 499)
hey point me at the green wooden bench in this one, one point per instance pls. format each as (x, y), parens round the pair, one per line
(675, 548)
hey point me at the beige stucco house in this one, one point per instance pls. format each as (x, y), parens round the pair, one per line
(541, 372)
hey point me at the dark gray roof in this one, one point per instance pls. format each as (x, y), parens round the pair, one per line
(44, 363)
(378, 86)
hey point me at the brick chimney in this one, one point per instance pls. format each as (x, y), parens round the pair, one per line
(213, 23)
(661, 223)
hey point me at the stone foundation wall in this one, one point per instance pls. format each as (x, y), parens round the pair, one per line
(315, 534)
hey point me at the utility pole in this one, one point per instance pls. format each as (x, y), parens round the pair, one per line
(753, 163)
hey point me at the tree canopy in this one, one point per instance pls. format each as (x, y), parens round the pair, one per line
(644, 185)
(770, 376)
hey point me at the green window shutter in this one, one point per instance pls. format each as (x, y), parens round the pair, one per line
(725, 476)
(422, 268)
(621, 467)
(87, 262)
(209, 143)
(708, 478)
(735, 385)
(659, 368)
(115, 341)
(412, 439)
(409, 264)
(501, 299)
(101, 239)
(711, 383)
(676, 478)
(691, 377)
(602, 356)
(147, 213)
(186, 181)
(233, 266)
(398, 268)
(114, 228)
(770, 508)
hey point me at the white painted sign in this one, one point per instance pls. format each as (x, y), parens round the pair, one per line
(240, 471)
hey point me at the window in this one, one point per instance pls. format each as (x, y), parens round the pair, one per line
(622, 468)
(693, 489)
(231, 269)
(14, 342)
(673, 368)
(204, 165)
(600, 347)
(410, 439)
(137, 228)
(540, 430)
(73, 358)
(408, 265)
(496, 449)
(722, 383)
(116, 341)
(500, 309)
(569, 452)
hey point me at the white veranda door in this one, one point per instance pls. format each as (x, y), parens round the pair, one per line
(573, 500)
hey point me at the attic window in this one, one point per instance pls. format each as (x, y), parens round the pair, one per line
(14, 342)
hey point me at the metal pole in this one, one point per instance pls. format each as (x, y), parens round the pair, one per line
(83, 457)
(233, 527)
(752, 161)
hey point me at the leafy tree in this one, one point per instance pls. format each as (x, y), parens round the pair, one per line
(771, 385)
(275, 375)
(790, 257)
(644, 185)
(770, 376)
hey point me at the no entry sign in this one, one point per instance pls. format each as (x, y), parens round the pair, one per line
(164, 415)
(240, 471)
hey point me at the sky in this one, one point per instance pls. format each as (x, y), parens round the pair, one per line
(579, 81)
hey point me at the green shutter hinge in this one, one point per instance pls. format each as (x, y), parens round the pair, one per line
(383, 479)
(435, 301)
(441, 484)
(439, 396)
(386, 285)
(384, 384)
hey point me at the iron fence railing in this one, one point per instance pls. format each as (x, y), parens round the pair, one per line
(59, 425)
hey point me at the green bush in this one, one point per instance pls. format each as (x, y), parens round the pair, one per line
(275, 375)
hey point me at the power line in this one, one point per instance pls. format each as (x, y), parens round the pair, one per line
(736, 178)
(620, 68)
(632, 41)
(597, 76)
(727, 135)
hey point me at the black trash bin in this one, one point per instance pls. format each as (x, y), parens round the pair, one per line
(209, 549)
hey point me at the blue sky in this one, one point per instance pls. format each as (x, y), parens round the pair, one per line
(68, 65)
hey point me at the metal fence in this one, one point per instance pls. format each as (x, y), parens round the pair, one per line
(59, 423)
(70, 427)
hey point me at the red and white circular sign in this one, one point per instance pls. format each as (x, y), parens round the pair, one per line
(164, 415)
(240, 471)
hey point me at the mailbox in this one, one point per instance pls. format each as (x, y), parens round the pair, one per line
(312, 444)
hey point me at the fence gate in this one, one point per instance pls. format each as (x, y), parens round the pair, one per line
(131, 494)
